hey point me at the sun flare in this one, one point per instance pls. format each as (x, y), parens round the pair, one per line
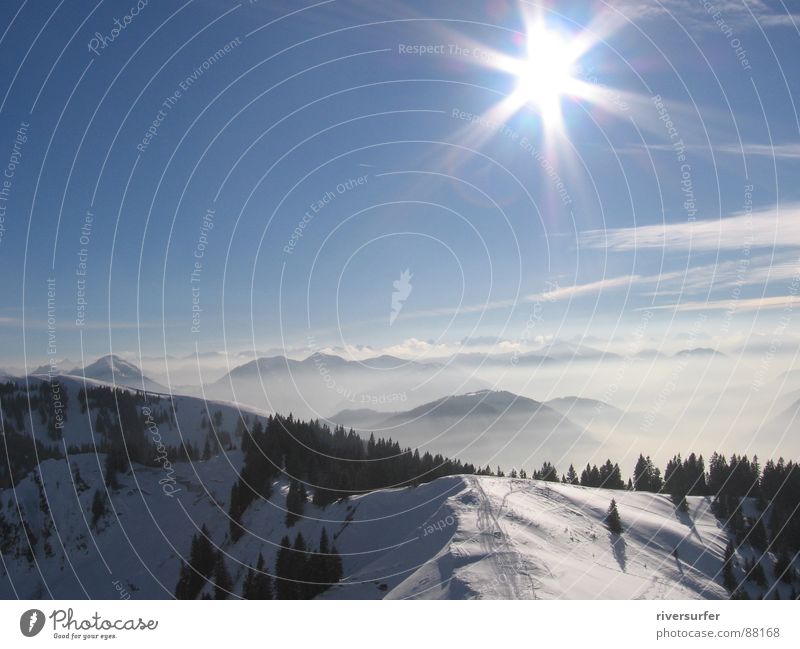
(546, 74)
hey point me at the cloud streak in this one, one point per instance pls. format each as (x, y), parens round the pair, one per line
(767, 229)
(749, 304)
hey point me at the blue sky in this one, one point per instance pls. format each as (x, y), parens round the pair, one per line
(493, 211)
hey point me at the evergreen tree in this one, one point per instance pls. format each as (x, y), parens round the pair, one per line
(783, 568)
(115, 462)
(336, 569)
(612, 519)
(222, 579)
(299, 567)
(610, 476)
(572, 476)
(200, 567)
(646, 477)
(99, 507)
(548, 473)
(296, 499)
(262, 583)
(285, 587)
(80, 483)
(728, 578)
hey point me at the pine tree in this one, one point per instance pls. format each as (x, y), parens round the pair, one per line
(757, 536)
(336, 569)
(113, 464)
(80, 483)
(200, 567)
(572, 476)
(783, 568)
(285, 587)
(728, 578)
(263, 583)
(257, 584)
(612, 519)
(99, 507)
(222, 579)
(299, 567)
(296, 499)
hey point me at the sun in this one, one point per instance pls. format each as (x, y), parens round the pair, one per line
(547, 73)
(550, 73)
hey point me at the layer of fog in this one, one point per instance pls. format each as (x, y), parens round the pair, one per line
(656, 406)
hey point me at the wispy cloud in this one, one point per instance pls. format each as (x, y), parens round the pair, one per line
(700, 16)
(782, 151)
(590, 288)
(749, 304)
(780, 20)
(772, 228)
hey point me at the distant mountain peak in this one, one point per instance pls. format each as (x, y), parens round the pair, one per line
(114, 369)
(699, 351)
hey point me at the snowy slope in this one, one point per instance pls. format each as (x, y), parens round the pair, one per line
(503, 538)
(184, 417)
(456, 537)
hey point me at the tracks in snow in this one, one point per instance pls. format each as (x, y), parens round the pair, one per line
(513, 580)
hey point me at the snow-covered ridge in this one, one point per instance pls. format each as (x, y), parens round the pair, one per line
(456, 537)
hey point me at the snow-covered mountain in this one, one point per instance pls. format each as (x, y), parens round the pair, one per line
(67, 532)
(325, 383)
(110, 369)
(115, 370)
(180, 419)
(485, 426)
(456, 537)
